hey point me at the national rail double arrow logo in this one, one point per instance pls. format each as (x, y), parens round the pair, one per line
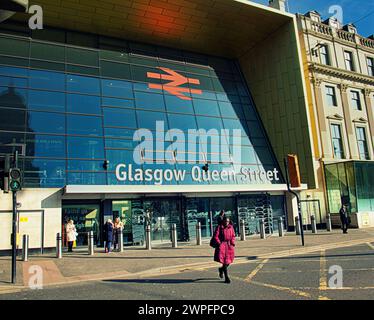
(174, 86)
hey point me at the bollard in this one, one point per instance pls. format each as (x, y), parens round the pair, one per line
(313, 222)
(280, 227)
(328, 223)
(262, 228)
(58, 246)
(90, 240)
(297, 226)
(148, 243)
(242, 230)
(25, 247)
(120, 240)
(174, 239)
(198, 234)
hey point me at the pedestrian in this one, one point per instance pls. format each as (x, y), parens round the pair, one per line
(108, 231)
(118, 225)
(220, 217)
(224, 236)
(344, 218)
(71, 234)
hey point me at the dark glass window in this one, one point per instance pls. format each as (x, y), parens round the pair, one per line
(117, 89)
(83, 84)
(355, 100)
(47, 80)
(12, 120)
(11, 137)
(324, 55)
(115, 70)
(337, 141)
(348, 58)
(370, 64)
(37, 64)
(151, 101)
(14, 47)
(140, 73)
(119, 117)
(85, 147)
(45, 122)
(45, 51)
(82, 57)
(331, 96)
(119, 103)
(12, 71)
(44, 173)
(255, 130)
(232, 124)
(115, 54)
(362, 143)
(231, 110)
(85, 125)
(83, 104)
(13, 97)
(13, 82)
(45, 146)
(46, 101)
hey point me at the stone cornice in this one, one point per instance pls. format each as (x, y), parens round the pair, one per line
(342, 74)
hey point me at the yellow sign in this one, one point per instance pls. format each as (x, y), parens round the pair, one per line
(23, 219)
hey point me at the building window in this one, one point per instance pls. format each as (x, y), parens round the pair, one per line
(362, 143)
(355, 99)
(370, 63)
(324, 55)
(337, 141)
(331, 96)
(348, 58)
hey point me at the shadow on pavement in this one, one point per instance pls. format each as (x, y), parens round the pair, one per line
(166, 281)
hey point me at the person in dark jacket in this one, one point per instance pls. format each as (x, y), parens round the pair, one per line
(224, 236)
(221, 216)
(108, 235)
(344, 218)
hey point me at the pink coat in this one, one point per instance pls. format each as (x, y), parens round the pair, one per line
(225, 237)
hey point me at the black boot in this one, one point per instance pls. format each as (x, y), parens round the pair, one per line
(227, 279)
(220, 272)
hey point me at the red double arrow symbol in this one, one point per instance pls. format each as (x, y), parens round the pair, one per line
(174, 86)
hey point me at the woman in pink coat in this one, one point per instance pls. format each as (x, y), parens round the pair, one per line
(224, 236)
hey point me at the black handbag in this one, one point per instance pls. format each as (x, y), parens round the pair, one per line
(213, 243)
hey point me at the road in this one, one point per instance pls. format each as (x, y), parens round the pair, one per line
(297, 277)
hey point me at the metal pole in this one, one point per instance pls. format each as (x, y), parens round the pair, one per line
(313, 222)
(328, 223)
(198, 234)
(90, 239)
(120, 239)
(148, 242)
(297, 226)
(14, 238)
(242, 230)
(25, 247)
(298, 203)
(262, 228)
(280, 227)
(174, 239)
(58, 246)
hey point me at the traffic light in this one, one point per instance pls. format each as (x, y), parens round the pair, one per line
(294, 171)
(15, 179)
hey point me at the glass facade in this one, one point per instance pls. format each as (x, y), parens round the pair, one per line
(351, 183)
(76, 107)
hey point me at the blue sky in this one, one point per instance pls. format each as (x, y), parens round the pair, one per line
(360, 12)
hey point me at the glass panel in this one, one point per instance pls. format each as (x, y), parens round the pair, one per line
(12, 71)
(14, 47)
(119, 156)
(85, 148)
(85, 125)
(119, 103)
(198, 211)
(86, 178)
(118, 89)
(82, 70)
(44, 173)
(12, 120)
(182, 122)
(119, 117)
(46, 101)
(13, 97)
(45, 122)
(147, 119)
(47, 80)
(365, 186)
(83, 104)
(83, 84)
(208, 123)
(13, 82)
(206, 107)
(45, 146)
(79, 165)
(45, 51)
(82, 56)
(333, 188)
(115, 70)
(149, 101)
(175, 104)
(119, 133)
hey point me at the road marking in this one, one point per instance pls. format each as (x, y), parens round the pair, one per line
(256, 270)
(322, 271)
(370, 245)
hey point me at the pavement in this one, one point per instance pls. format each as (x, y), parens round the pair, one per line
(138, 263)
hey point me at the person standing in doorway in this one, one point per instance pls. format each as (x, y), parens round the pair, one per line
(221, 217)
(224, 253)
(118, 225)
(108, 230)
(344, 218)
(71, 234)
